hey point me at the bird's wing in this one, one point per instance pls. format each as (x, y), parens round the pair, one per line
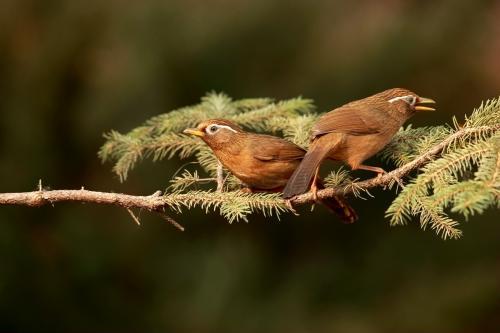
(271, 148)
(354, 120)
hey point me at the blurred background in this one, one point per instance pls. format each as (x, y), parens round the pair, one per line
(72, 70)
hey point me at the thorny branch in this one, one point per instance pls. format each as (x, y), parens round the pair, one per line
(157, 204)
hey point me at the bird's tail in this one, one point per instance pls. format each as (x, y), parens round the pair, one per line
(301, 179)
(339, 206)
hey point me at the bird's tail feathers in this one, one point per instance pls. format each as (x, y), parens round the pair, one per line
(339, 206)
(301, 179)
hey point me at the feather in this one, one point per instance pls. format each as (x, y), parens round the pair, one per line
(270, 148)
(354, 120)
(339, 206)
(301, 179)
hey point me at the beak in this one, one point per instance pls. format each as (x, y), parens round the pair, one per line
(423, 100)
(193, 131)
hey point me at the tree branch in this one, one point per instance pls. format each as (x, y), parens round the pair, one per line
(390, 177)
(39, 198)
(157, 203)
(152, 203)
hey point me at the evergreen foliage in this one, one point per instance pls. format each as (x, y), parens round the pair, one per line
(233, 205)
(160, 137)
(462, 180)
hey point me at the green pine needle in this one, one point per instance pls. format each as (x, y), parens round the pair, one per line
(464, 180)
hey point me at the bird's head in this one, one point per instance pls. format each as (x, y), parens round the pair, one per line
(215, 132)
(407, 102)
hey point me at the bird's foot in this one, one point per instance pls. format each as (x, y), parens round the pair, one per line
(398, 181)
(288, 203)
(394, 178)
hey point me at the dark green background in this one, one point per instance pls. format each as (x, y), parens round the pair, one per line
(71, 70)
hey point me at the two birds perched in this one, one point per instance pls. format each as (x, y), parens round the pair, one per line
(351, 133)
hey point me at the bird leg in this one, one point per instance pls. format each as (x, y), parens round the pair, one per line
(220, 177)
(378, 170)
(314, 185)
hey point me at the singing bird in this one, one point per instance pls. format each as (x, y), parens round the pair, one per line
(353, 133)
(262, 162)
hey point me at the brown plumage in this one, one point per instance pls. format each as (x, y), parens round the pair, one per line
(261, 162)
(354, 132)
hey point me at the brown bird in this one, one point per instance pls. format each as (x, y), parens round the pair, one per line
(353, 133)
(261, 162)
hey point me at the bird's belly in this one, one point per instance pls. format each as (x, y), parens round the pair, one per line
(356, 149)
(265, 175)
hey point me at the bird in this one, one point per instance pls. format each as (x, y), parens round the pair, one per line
(353, 133)
(264, 163)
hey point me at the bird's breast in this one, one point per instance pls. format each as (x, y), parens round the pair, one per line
(355, 149)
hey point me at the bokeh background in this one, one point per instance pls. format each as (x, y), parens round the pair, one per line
(72, 70)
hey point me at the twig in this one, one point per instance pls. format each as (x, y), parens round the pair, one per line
(135, 218)
(171, 221)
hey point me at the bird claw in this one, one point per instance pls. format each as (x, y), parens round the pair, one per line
(289, 205)
(398, 181)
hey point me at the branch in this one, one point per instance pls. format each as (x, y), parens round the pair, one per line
(157, 202)
(152, 203)
(395, 175)
(40, 198)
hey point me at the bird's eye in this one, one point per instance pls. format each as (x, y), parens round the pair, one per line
(411, 100)
(212, 129)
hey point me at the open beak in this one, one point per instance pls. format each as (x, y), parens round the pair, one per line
(423, 100)
(193, 131)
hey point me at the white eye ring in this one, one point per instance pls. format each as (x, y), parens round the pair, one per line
(410, 99)
(212, 129)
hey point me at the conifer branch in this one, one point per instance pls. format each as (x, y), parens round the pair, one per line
(452, 169)
(152, 203)
(234, 205)
(388, 179)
